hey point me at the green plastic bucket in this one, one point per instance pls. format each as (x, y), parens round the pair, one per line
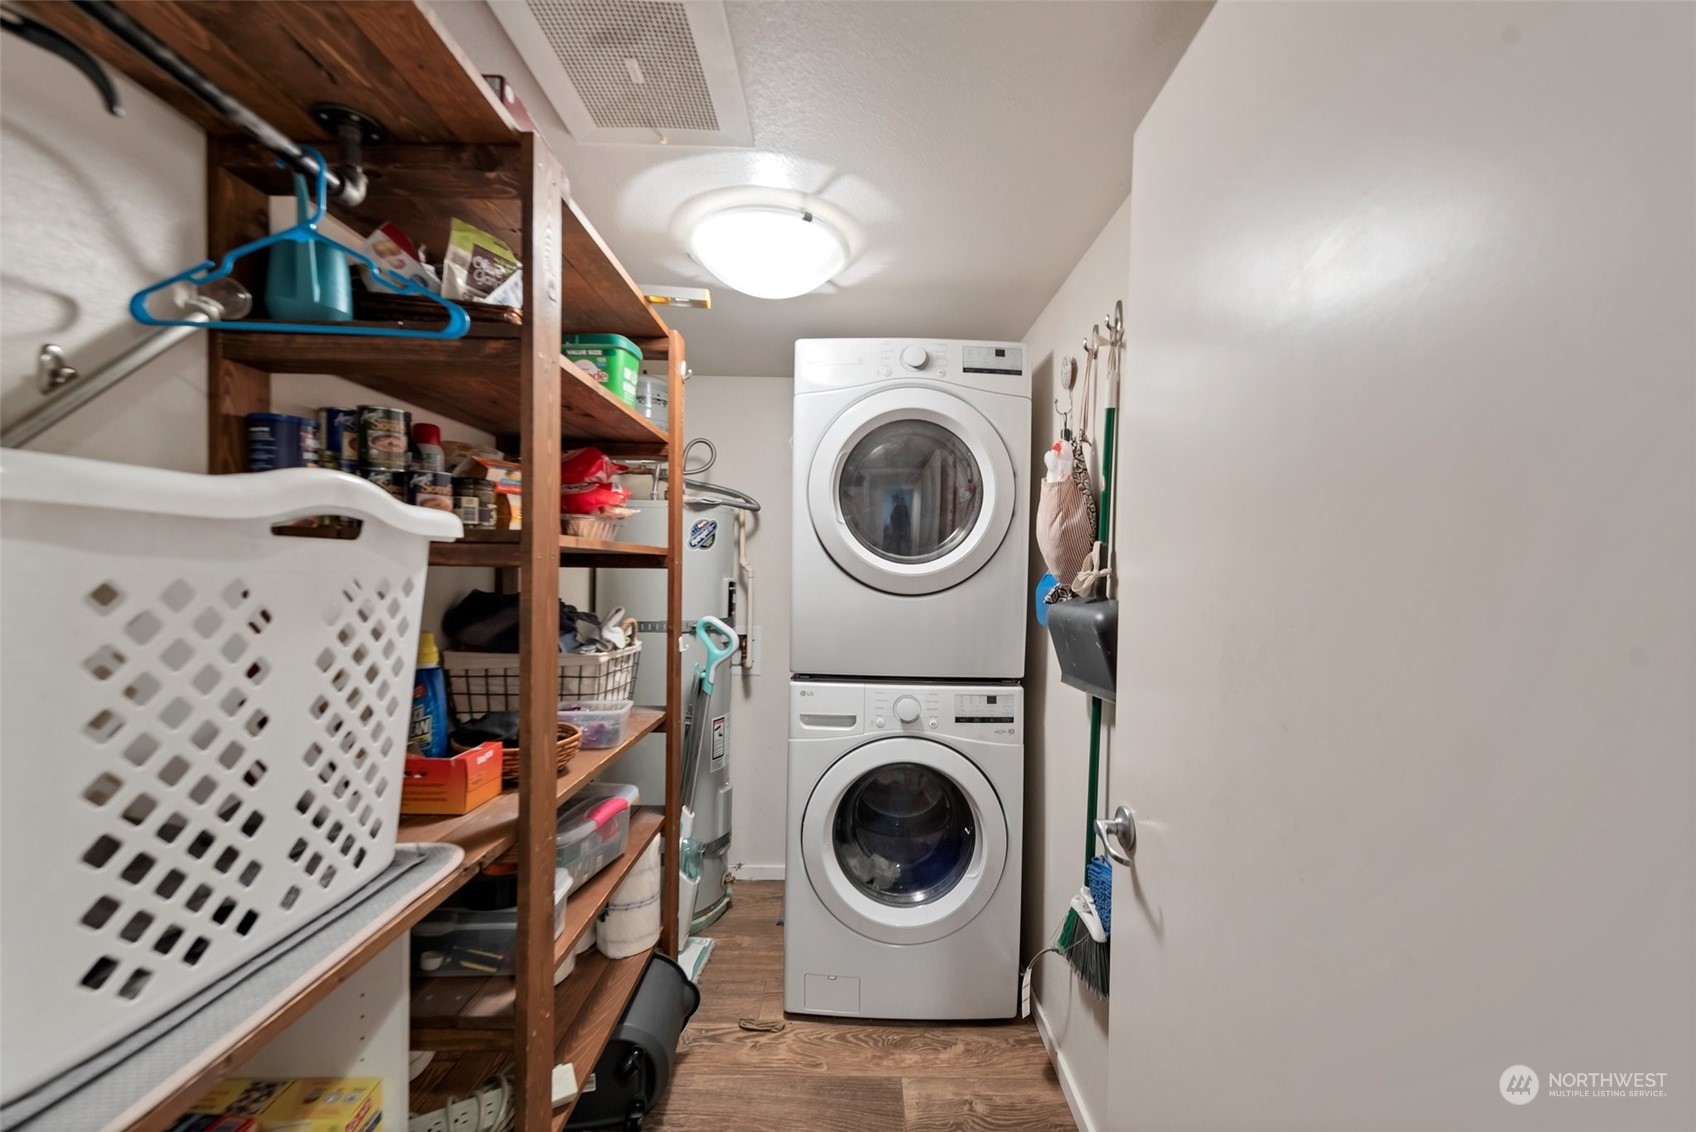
(612, 359)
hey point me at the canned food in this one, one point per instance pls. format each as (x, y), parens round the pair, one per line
(474, 501)
(338, 433)
(392, 482)
(383, 434)
(431, 489)
(277, 440)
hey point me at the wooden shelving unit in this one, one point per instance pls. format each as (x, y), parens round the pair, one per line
(451, 150)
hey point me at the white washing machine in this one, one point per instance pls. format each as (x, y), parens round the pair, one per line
(911, 487)
(901, 894)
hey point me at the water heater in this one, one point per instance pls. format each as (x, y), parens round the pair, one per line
(709, 576)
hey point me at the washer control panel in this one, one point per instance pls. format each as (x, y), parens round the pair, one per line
(980, 712)
(821, 708)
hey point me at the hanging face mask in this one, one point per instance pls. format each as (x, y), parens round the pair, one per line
(1066, 509)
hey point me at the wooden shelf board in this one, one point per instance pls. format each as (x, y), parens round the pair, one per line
(460, 1013)
(387, 58)
(454, 1076)
(489, 830)
(586, 1019)
(239, 1047)
(599, 295)
(474, 379)
(593, 412)
(503, 548)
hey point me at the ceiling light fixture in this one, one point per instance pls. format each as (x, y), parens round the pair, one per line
(768, 251)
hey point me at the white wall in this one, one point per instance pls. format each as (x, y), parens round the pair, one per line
(1057, 715)
(92, 209)
(748, 418)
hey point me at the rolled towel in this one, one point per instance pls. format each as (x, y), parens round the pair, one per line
(631, 923)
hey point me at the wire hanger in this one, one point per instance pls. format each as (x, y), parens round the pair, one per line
(304, 232)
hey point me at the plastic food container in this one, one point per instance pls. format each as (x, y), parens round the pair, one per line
(594, 829)
(461, 942)
(602, 722)
(612, 359)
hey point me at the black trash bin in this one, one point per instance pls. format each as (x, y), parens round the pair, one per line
(637, 1064)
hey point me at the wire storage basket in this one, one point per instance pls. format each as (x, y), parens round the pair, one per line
(482, 682)
(204, 731)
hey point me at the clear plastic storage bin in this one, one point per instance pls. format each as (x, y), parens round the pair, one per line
(603, 722)
(453, 941)
(594, 829)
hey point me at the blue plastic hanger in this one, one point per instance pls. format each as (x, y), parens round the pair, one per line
(305, 231)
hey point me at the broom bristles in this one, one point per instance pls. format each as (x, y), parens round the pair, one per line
(1091, 962)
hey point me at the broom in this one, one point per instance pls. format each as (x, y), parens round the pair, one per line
(1084, 935)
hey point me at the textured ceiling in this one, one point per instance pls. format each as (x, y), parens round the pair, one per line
(972, 150)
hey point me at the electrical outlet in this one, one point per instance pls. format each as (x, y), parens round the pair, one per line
(429, 1122)
(753, 668)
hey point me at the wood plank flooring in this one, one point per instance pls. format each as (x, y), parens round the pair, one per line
(825, 1074)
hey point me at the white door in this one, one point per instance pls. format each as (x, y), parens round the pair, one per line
(1407, 496)
(904, 841)
(911, 490)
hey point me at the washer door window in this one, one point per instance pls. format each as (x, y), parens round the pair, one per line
(911, 491)
(904, 841)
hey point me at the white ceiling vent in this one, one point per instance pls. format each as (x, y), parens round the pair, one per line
(643, 71)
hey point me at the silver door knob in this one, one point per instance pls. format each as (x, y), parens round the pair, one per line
(1118, 835)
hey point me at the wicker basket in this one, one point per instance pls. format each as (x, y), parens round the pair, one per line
(482, 682)
(566, 748)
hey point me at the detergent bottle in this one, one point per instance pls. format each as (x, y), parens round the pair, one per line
(427, 733)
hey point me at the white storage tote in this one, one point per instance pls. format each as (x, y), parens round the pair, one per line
(203, 730)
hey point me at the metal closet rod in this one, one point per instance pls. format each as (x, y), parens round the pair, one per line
(346, 183)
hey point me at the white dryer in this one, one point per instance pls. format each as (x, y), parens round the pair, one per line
(901, 894)
(911, 489)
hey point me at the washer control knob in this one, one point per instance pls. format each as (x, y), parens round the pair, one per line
(933, 723)
(879, 721)
(914, 357)
(907, 709)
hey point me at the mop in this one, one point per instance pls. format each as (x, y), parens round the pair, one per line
(697, 734)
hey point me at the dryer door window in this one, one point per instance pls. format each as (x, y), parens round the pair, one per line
(905, 834)
(911, 491)
(904, 840)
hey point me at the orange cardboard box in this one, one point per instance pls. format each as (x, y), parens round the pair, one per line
(451, 786)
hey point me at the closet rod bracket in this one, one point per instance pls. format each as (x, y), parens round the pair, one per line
(353, 131)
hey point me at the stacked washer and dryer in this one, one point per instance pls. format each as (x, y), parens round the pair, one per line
(906, 726)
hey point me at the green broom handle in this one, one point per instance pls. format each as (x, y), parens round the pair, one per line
(1101, 535)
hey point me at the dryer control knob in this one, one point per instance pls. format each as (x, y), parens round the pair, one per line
(914, 357)
(907, 709)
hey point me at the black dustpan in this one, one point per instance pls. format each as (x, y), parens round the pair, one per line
(1085, 631)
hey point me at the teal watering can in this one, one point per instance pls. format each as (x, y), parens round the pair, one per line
(307, 280)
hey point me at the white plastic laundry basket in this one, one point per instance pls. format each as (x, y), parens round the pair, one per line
(202, 727)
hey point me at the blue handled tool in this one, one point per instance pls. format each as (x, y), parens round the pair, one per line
(705, 629)
(304, 232)
(700, 725)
